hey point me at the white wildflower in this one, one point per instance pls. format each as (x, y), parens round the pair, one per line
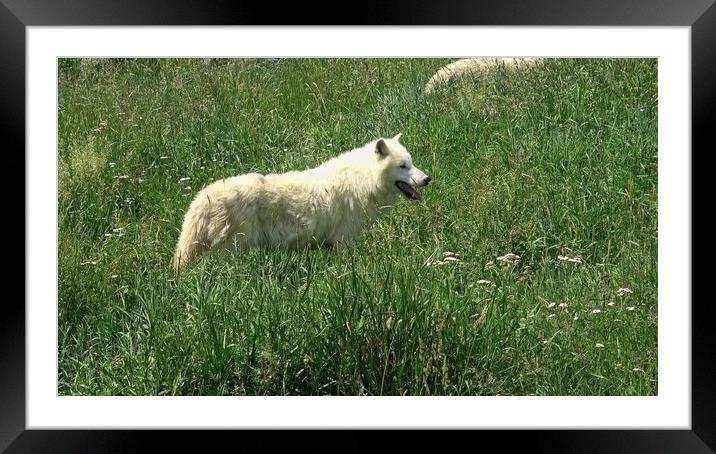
(112, 164)
(509, 258)
(574, 259)
(610, 303)
(483, 281)
(596, 311)
(600, 345)
(114, 276)
(121, 177)
(184, 179)
(630, 308)
(563, 305)
(551, 315)
(551, 305)
(623, 291)
(163, 157)
(88, 262)
(448, 257)
(576, 317)
(636, 369)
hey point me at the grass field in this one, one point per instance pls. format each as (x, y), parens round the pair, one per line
(557, 164)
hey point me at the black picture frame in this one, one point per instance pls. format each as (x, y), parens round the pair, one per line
(16, 15)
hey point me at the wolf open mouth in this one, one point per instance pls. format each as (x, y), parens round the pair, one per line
(408, 191)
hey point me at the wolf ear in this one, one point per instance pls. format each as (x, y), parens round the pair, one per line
(381, 148)
(396, 138)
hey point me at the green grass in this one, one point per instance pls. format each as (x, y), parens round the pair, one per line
(559, 160)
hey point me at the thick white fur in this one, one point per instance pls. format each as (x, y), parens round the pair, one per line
(323, 205)
(466, 66)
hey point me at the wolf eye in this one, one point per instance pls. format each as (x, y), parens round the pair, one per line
(403, 166)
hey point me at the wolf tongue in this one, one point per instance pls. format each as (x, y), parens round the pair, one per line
(408, 190)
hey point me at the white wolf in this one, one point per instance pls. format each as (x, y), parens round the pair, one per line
(466, 66)
(320, 206)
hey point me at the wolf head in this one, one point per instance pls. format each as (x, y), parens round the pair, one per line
(398, 169)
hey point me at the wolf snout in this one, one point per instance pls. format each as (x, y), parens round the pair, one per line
(420, 182)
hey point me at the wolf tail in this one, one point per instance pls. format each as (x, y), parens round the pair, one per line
(192, 239)
(205, 225)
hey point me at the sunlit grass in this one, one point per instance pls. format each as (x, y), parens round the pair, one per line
(509, 279)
